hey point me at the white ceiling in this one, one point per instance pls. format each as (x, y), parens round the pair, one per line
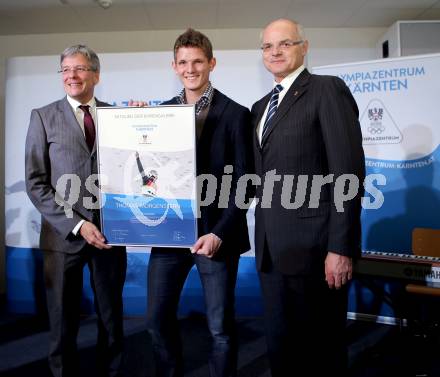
(63, 16)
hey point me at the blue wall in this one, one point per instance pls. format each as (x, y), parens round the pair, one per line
(25, 288)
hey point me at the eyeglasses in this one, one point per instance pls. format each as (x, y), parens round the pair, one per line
(283, 45)
(78, 69)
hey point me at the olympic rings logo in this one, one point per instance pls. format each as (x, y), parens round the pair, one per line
(376, 130)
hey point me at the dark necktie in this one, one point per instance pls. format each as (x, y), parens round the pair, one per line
(273, 105)
(89, 126)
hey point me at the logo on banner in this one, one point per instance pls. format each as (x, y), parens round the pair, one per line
(144, 139)
(378, 127)
(375, 114)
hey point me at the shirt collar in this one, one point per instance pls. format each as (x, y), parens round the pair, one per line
(287, 81)
(204, 100)
(74, 103)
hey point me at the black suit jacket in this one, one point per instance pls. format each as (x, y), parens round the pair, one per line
(225, 140)
(315, 131)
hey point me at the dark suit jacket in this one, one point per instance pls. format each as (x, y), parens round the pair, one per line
(225, 140)
(55, 145)
(315, 131)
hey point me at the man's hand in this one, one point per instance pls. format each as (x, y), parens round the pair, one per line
(338, 270)
(93, 236)
(207, 245)
(137, 103)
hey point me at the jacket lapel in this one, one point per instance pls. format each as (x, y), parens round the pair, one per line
(98, 104)
(296, 90)
(216, 109)
(69, 120)
(260, 107)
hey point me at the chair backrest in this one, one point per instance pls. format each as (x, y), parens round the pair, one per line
(426, 242)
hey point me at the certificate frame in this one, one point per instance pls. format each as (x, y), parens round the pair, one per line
(147, 175)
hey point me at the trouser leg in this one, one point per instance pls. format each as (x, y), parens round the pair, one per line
(63, 275)
(107, 275)
(167, 272)
(218, 280)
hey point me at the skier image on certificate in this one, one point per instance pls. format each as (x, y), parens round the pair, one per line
(149, 185)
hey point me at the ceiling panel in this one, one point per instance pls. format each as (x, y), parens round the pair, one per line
(317, 5)
(40, 21)
(35, 4)
(397, 4)
(372, 17)
(172, 16)
(52, 16)
(28, 4)
(327, 17)
(179, 2)
(430, 14)
(133, 17)
(250, 14)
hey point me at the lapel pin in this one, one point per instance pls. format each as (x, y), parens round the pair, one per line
(296, 93)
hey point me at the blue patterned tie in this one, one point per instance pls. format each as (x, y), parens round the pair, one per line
(273, 105)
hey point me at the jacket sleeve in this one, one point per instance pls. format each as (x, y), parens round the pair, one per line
(38, 179)
(240, 131)
(338, 116)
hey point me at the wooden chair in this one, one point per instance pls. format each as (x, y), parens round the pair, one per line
(424, 328)
(425, 242)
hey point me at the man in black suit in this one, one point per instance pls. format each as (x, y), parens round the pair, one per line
(309, 156)
(223, 147)
(60, 159)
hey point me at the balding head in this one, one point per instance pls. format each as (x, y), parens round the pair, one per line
(285, 23)
(284, 47)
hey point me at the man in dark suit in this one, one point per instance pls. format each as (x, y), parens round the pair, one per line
(60, 159)
(223, 146)
(309, 156)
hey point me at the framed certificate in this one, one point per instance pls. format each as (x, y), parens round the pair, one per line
(147, 167)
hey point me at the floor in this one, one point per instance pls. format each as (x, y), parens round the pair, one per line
(375, 350)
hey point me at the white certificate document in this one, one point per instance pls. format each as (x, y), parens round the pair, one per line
(147, 168)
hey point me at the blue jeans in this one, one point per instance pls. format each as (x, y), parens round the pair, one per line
(167, 271)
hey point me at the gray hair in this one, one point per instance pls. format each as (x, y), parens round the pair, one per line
(300, 30)
(87, 52)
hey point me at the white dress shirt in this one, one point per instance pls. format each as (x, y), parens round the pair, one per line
(79, 114)
(286, 83)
